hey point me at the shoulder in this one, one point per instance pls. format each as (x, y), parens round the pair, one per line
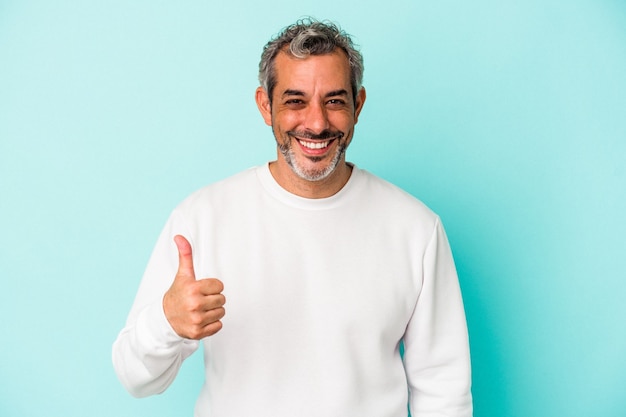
(385, 195)
(233, 189)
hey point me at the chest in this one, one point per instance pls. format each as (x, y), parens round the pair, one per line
(331, 273)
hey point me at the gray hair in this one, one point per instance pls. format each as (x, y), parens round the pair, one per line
(310, 37)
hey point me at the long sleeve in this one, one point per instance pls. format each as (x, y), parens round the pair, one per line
(148, 353)
(316, 308)
(437, 359)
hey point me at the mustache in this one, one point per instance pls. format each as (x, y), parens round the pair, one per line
(323, 135)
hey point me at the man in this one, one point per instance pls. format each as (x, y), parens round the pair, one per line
(328, 270)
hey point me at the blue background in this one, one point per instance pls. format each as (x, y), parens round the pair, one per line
(508, 118)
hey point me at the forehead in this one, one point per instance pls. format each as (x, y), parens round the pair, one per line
(332, 69)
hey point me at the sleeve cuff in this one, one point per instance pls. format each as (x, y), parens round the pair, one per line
(154, 328)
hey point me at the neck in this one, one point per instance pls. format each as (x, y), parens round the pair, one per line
(327, 187)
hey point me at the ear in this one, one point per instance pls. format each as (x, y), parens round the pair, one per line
(263, 103)
(360, 100)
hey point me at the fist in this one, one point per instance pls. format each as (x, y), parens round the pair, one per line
(193, 307)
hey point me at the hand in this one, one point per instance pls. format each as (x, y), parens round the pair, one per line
(193, 307)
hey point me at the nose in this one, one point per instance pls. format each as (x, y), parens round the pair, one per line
(316, 118)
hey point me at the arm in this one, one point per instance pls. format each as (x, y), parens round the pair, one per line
(148, 353)
(157, 338)
(437, 360)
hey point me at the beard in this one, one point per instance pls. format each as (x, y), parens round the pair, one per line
(312, 174)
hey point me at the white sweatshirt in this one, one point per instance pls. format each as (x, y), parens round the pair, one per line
(320, 293)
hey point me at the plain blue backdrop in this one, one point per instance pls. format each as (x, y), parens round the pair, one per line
(508, 118)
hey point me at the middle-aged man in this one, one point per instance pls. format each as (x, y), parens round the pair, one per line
(328, 270)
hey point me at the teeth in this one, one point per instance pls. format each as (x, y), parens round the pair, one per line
(314, 145)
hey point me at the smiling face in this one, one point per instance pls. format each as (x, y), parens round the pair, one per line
(312, 114)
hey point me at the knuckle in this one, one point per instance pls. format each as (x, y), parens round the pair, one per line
(214, 328)
(195, 334)
(195, 320)
(216, 285)
(217, 314)
(216, 301)
(193, 305)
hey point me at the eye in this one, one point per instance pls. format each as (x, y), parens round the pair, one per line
(336, 102)
(294, 102)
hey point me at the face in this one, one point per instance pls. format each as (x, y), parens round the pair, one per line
(312, 115)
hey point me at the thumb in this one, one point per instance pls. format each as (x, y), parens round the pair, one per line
(185, 258)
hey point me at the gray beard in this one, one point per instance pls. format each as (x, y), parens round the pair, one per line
(311, 174)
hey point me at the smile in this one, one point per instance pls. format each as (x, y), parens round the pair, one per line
(314, 145)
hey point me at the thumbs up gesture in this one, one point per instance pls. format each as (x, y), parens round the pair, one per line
(193, 307)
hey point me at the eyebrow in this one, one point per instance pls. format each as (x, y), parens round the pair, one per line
(333, 93)
(293, 93)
